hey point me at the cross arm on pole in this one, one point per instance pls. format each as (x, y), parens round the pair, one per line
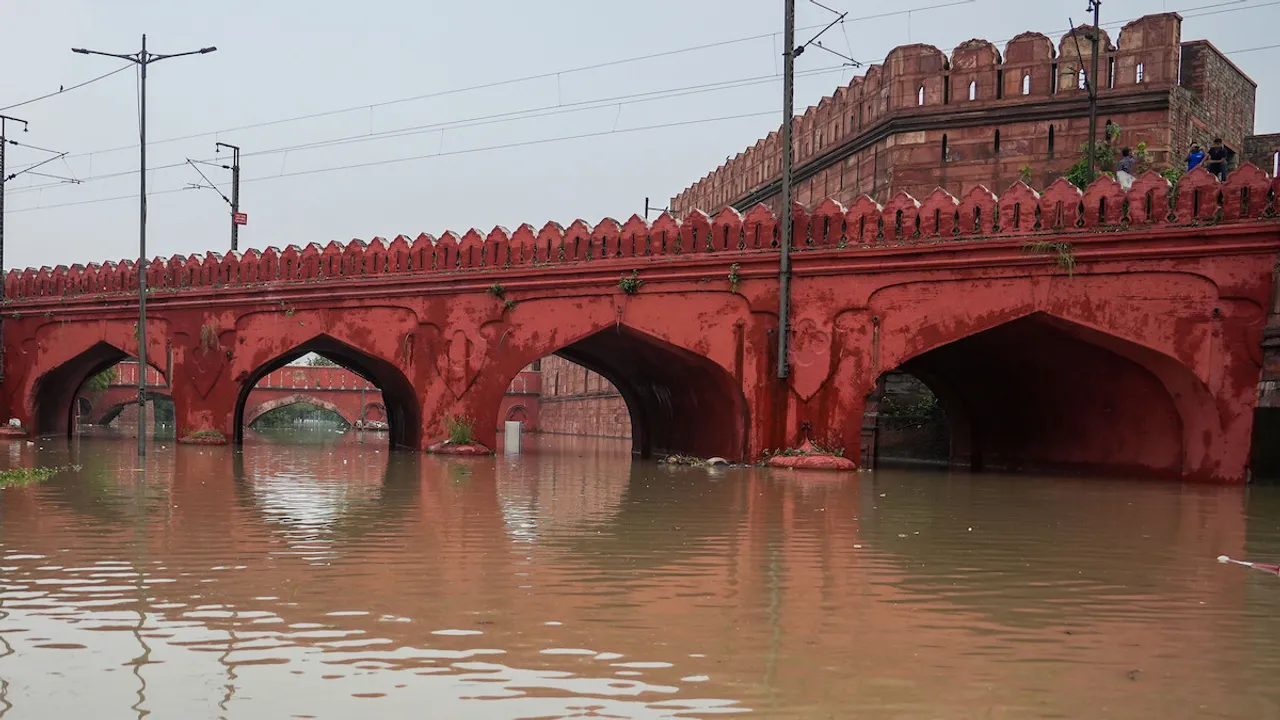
(211, 186)
(33, 167)
(131, 57)
(201, 51)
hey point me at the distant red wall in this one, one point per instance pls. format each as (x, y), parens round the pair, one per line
(522, 401)
(576, 401)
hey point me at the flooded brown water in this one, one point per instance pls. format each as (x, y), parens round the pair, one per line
(339, 580)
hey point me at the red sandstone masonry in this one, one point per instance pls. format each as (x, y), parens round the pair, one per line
(1248, 193)
(911, 123)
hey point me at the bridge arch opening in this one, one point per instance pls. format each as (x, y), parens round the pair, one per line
(343, 380)
(287, 410)
(909, 426)
(668, 400)
(1264, 460)
(1040, 395)
(100, 382)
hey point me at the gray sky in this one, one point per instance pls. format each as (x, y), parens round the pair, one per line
(281, 59)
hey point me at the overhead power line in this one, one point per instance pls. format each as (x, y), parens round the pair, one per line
(65, 90)
(510, 116)
(514, 81)
(545, 111)
(428, 156)
(1230, 6)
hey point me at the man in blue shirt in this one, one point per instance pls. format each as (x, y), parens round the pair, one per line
(1194, 158)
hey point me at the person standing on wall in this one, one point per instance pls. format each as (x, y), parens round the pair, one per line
(1195, 157)
(1218, 155)
(1124, 170)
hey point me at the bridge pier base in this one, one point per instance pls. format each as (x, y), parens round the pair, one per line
(204, 395)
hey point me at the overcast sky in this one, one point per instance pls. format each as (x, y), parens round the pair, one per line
(281, 59)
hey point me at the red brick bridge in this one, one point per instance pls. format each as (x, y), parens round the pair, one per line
(344, 393)
(1134, 345)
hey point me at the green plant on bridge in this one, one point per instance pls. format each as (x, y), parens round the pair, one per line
(461, 430)
(630, 284)
(1064, 251)
(1106, 157)
(497, 291)
(1174, 176)
(734, 277)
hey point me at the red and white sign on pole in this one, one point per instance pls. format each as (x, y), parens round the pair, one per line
(240, 218)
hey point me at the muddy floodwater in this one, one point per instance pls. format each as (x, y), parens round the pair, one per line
(332, 578)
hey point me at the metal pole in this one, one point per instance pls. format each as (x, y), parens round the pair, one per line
(1091, 83)
(4, 141)
(784, 266)
(142, 254)
(235, 199)
(142, 59)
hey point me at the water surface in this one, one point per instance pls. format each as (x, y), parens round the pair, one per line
(334, 578)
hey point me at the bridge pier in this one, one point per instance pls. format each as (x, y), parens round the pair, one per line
(200, 382)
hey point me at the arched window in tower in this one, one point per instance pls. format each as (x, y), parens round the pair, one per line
(1026, 84)
(944, 147)
(996, 144)
(973, 89)
(1050, 141)
(1141, 75)
(920, 96)
(1082, 80)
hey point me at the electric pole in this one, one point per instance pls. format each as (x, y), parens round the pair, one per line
(235, 193)
(1091, 84)
(784, 214)
(4, 141)
(142, 59)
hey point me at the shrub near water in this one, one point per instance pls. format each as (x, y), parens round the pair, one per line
(460, 430)
(22, 477)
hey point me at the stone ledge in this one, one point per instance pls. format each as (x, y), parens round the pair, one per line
(809, 457)
(446, 448)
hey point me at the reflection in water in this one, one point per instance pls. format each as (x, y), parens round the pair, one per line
(341, 578)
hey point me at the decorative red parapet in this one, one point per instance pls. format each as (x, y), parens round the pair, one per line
(1248, 194)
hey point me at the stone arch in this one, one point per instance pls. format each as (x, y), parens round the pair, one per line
(517, 413)
(373, 412)
(678, 400)
(51, 397)
(401, 402)
(108, 415)
(1043, 393)
(253, 414)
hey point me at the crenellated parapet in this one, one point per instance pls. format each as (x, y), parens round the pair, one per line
(1248, 195)
(925, 116)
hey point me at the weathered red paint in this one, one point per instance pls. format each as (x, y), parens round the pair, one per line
(1145, 357)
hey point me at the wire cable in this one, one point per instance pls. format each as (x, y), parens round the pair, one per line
(413, 158)
(510, 81)
(63, 91)
(510, 116)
